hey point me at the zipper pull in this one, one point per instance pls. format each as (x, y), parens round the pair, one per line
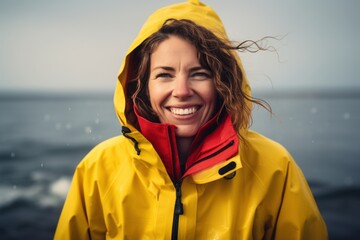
(179, 209)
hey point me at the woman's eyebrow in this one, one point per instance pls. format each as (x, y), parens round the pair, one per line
(197, 68)
(163, 68)
(167, 68)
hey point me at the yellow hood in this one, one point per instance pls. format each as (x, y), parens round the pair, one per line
(193, 10)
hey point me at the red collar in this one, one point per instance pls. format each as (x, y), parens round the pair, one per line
(216, 141)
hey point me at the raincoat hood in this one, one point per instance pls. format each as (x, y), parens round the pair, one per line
(192, 10)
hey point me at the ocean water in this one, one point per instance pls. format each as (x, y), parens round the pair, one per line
(43, 138)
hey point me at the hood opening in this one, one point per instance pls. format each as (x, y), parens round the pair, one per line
(195, 11)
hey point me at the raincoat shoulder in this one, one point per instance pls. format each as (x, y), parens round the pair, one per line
(94, 179)
(282, 188)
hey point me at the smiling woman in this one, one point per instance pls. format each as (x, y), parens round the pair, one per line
(187, 166)
(181, 91)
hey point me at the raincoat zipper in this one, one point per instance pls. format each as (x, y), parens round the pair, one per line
(178, 210)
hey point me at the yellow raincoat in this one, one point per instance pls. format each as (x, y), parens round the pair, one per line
(119, 192)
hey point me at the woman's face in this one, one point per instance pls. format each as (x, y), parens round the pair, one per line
(181, 91)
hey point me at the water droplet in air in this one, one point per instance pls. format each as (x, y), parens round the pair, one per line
(313, 110)
(88, 130)
(346, 116)
(46, 117)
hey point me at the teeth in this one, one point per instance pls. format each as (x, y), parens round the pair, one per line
(183, 111)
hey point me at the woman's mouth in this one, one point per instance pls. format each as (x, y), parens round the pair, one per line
(183, 111)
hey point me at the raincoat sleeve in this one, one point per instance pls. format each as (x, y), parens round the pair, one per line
(82, 216)
(299, 217)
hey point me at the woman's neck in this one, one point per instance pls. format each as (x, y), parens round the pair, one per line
(183, 145)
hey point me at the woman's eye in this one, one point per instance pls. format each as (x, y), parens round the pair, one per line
(201, 75)
(163, 75)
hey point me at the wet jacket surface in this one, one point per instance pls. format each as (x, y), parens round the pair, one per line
(123, 190)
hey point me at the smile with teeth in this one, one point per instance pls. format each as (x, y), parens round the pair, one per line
(183, 111)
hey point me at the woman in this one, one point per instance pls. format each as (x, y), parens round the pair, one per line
(186, 165)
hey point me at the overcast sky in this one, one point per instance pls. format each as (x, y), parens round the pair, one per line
(79, 45)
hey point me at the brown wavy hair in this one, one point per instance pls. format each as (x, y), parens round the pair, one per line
(215, 54)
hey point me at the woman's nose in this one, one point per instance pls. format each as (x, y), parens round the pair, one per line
(182, 87)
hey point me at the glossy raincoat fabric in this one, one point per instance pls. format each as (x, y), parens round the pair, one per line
(123, 191)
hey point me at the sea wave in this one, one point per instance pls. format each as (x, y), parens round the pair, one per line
(40, 194)
(30, 148)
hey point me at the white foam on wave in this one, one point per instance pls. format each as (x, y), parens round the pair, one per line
(10, 194)
(39, 176)
(52, 194)
(7, 195)
(56, 194)
(60, 187)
